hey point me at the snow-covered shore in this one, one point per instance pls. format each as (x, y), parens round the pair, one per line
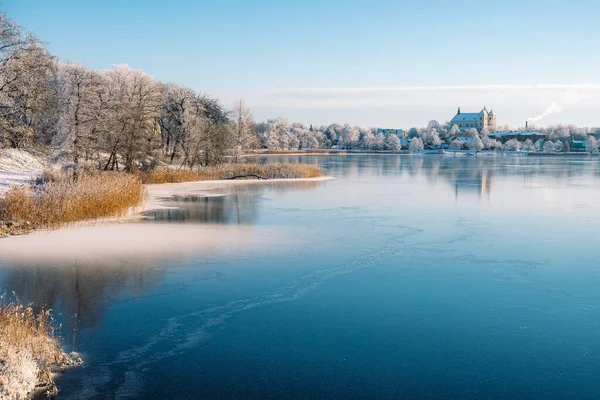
(19, 167)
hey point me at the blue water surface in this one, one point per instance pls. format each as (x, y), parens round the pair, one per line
(432, 277)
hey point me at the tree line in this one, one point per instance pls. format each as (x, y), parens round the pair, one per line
(123, 119)
(119, 118)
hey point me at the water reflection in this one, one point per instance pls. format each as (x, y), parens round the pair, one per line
(473, 174)
(80, 292)
(238, 205)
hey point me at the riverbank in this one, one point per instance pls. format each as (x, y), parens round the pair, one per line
(30, 353)
(113, 239)
(59, 201)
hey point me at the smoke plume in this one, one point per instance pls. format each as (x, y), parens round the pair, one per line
(552, 108)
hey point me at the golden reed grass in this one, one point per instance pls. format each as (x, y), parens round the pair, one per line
(287, 152)
(57, 203)
(29, 351)
(230, 171)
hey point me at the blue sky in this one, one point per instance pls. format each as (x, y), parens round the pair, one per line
(380, 63)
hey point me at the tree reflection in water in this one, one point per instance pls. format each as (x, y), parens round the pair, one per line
(80, 292)
(238, 206)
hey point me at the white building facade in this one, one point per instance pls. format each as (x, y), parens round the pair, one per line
(482, 120)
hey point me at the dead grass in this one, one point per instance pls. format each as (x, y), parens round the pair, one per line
(57, 203)
(29, 351)
(233, 171)
(292, 152)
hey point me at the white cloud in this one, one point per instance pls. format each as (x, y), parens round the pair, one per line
(460, 88)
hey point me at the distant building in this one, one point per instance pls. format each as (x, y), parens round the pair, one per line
(521, 136)
(578, 145)
(480, 120)
(398, 132)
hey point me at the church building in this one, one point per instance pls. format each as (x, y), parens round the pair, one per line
(480, 120)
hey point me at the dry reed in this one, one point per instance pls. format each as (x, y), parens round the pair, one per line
(62, 202)
(292, 152)
(233, 171)
(30, 351)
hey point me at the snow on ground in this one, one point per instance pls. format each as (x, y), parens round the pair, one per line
(18, 167)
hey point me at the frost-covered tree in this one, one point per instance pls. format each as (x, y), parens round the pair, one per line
(214, 141)
(548, 146)
(454, 131)
(28, 96)
(472, 133)
(277, 135)
(135, 100)
(528, 145)
(476, 144)
(392, 143)
(367, 141)
(83, 113)
(490, 144)
(350, 136)
(433, 125)
(243, 136)
(559, 146)
(512, 145)
(378, 142)
(24, 71)
(591, 145)
(456, 145)
(416, 144)
(178, 120)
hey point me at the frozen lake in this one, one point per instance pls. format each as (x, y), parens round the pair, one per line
(406, 277)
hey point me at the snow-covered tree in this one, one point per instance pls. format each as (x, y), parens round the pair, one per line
(559, 146)
(135, 100)
(456, 145)
(472, 133)
(83, 112)
(431, 137)
(276, 135)
(512, 145)
(476, 144)
(243, 136)
(367, 141)
(350, 136)
(294, 142)
(548, 146)
(392, 143)
(454, 131)
(591, 145)
(490, 144)
(28, 96)
(528, 145)
(433, 125)
(416, 144)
